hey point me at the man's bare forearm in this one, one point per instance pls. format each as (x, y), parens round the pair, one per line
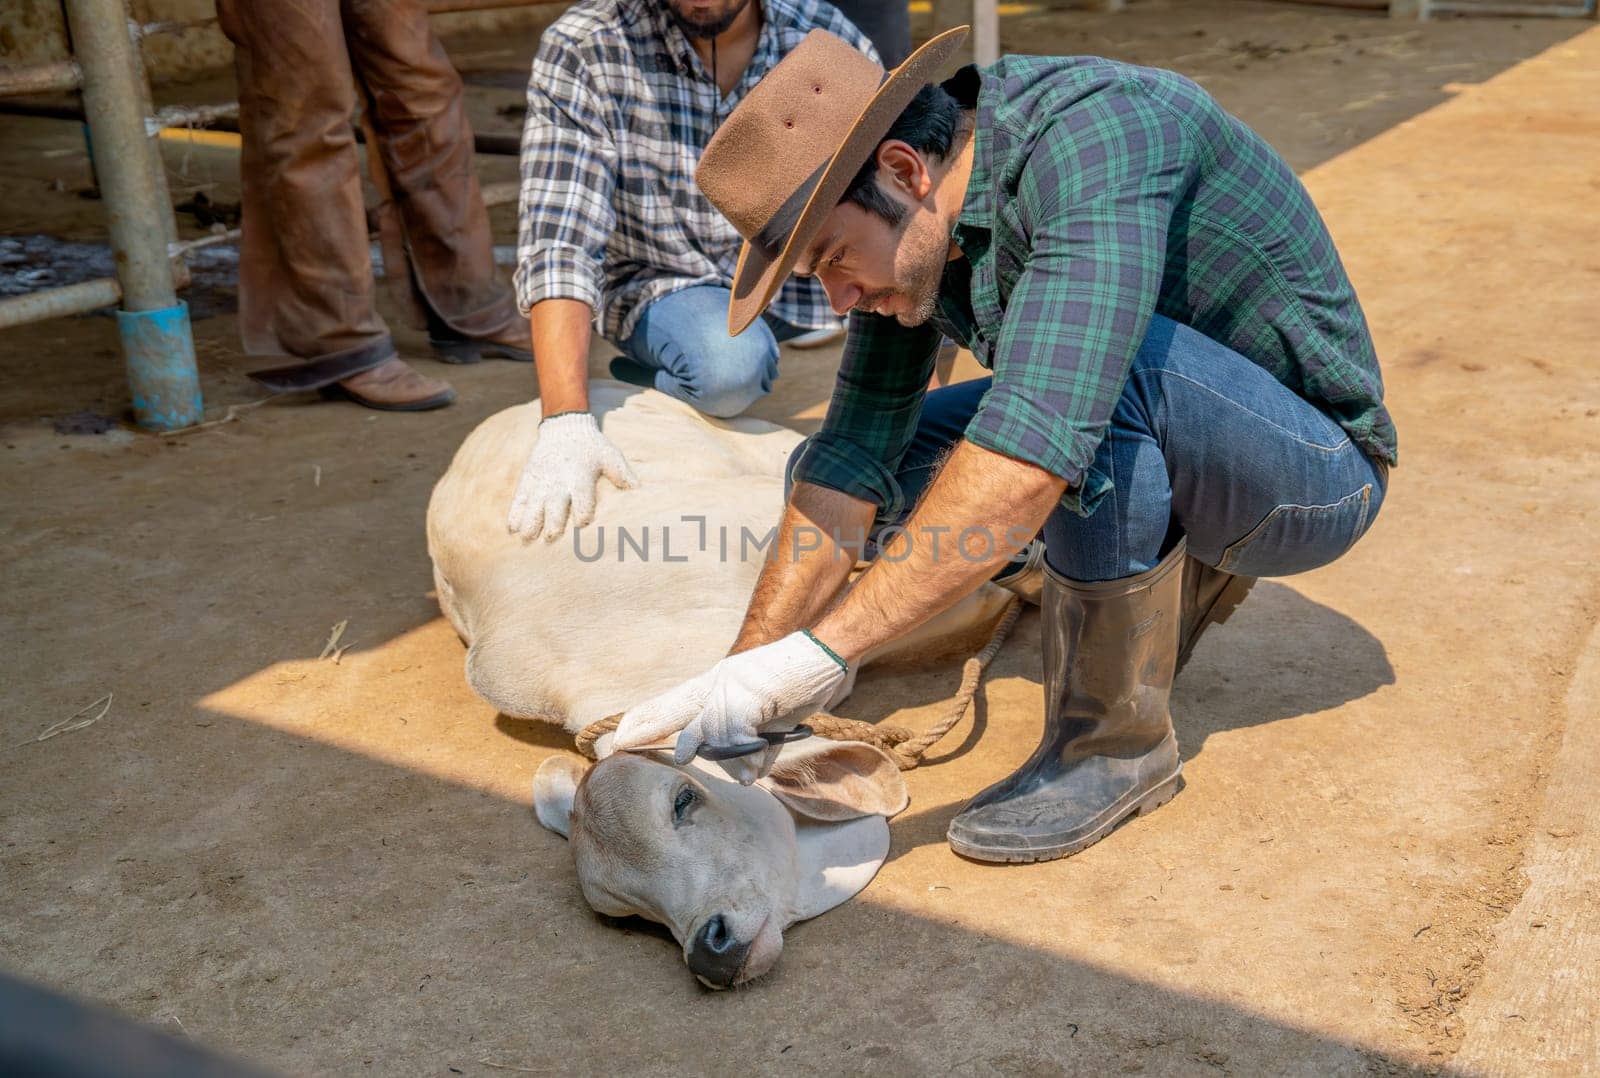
(817, 544)
(1003, 501)
(561, 331)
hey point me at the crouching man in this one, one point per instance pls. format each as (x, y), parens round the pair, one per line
(623, 97)
(1184, 396)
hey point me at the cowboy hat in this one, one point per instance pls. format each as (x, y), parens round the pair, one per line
(783, 159)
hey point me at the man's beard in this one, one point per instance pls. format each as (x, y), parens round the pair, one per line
(922, 307)
(924, 300)
(706, 30)
(925, 260)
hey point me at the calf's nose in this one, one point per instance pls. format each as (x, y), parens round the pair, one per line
(715, 956)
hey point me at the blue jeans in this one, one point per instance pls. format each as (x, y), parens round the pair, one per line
(1202, 443)
(683, 338)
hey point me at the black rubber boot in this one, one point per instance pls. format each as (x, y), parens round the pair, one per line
(1110, 651)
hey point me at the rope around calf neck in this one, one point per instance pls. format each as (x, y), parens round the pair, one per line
(904, 746)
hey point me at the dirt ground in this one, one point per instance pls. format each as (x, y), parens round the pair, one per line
(332, 867)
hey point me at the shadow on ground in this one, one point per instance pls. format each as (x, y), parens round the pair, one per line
(366, 915)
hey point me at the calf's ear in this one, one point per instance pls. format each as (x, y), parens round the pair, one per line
(832, 781)
(555, 784)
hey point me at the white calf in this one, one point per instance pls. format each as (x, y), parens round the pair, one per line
(652, 592)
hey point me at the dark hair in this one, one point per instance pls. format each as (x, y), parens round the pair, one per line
(928, 125)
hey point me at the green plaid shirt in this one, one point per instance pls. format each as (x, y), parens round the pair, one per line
(1100, 193)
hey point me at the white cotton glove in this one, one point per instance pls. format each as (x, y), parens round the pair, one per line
(763, 690)
(656, 722)
(561, 474)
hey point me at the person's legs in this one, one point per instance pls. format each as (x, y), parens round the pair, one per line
(1206, 444)
(683, 338)
(418, 106)
(1215, 468)
(1203, 443)
(305, 274)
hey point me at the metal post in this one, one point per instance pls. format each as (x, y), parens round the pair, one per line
(948, 13)
(985, 32)
(157, 343)
(152, 127)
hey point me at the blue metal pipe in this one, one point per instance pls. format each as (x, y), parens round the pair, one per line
(158, 348)
(157, 343)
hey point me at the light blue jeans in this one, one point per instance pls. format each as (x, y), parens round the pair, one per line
(682, 338)
(1202, 443)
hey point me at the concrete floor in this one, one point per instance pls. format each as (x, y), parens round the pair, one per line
(332, 868)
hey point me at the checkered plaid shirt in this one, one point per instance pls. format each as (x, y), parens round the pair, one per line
(619, 110)
(1101, 193)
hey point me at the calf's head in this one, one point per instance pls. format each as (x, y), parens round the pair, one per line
(725, 867)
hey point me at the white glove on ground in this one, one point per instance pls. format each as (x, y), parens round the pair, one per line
(763, 690)
(561, 474)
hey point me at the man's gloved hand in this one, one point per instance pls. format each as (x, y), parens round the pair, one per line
(561, 474)
(766, 689)
(657, 720)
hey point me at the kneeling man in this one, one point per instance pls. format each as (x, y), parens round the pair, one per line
(1184, 397)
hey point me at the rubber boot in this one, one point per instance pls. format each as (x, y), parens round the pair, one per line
(1025, 577)
(1209, 596)
(1110, 651)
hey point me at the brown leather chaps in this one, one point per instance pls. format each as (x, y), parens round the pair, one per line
(305, 276)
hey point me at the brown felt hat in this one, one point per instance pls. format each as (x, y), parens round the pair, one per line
(782, 160)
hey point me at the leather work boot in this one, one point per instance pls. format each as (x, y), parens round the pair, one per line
(393, 386)
(1110, 651)
(1209, 596)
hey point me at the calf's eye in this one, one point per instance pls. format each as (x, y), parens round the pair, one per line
(681, 803)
